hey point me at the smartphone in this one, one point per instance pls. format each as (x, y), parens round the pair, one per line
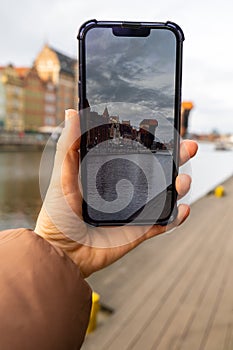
(129, 103)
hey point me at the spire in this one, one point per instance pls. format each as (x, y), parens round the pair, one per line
(106, 114)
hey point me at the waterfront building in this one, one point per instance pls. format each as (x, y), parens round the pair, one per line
(39, 100)
(60, 69)
(50, 96)
(98, 127)
(147, 131)
(126, 129)
(11, 100)
(2, 99)
(35, 98)
(34, 92)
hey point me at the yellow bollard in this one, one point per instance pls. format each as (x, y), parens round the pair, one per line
(219, 191)
(94, 311)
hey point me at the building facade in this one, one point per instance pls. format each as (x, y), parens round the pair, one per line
(12, 100)
(2, 99)
(50, 106)
(147, 132)
(60, 70)
(35, 98)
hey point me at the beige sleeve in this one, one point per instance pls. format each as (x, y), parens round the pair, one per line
(44, 301)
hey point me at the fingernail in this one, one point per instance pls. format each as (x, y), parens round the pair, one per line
(67, 115)
(70, 113)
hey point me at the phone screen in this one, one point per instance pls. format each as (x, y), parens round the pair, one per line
(129, 160)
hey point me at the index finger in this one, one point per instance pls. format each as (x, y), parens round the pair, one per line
(188, 149)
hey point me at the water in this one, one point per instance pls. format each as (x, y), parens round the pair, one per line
(123, 183)
(19, 190)
(208, 169)
(20, 199)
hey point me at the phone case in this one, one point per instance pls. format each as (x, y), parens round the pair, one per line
(83, 105)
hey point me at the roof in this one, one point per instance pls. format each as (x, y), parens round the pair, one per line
(149, 122)
(67, 63)
(22, 71)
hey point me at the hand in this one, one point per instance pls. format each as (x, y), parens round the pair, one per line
(60, 219)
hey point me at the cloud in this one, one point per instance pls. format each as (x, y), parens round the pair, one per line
(133, 70)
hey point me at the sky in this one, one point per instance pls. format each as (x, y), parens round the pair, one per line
(136, 70)
(207, 58)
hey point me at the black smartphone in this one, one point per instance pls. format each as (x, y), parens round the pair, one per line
(129, 103)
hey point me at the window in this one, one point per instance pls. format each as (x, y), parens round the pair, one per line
(49, 120)
(50, 97)
(50, 109)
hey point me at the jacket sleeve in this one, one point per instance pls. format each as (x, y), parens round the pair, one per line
(44, 301)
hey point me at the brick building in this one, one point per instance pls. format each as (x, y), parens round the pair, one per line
(147, 131)
(34, 91)
(33, 98)
(11, 100)
(61, 70)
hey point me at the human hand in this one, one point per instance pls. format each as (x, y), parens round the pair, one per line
(60, 219)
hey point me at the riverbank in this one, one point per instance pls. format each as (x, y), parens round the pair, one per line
(14, 142)
(174, 291)
(208, 169)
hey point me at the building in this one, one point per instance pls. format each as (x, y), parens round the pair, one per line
(35, 98)
(126, 129)
(50, 105)
(2, 99)
(11, 100)
(147, 131)
(34, 93)
(61, 70)
(98, 127)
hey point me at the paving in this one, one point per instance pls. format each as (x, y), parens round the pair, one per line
(174, 291)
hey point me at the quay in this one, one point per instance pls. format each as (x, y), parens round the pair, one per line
(175, 291)
(10, 142)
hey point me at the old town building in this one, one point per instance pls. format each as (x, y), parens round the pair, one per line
(35, 98)
(147, 131)
(61, 70)
(34, 92)
(11, 99)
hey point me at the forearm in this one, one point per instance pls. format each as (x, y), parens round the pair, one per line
(45, 302)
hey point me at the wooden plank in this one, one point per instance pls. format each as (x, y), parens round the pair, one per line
(120, 280)
(166, 318)
(201, 321)
(194, 285)
(154, 287)
(220, 332)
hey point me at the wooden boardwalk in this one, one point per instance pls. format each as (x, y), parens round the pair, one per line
(174, 291)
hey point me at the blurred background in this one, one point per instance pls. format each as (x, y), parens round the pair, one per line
(38, 75)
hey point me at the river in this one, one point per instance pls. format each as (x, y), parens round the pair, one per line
(20, 199)
(19, 190)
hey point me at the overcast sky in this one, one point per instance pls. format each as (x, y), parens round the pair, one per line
(208, 55)
(134, 70)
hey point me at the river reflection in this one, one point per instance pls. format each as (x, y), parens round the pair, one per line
(20, 199)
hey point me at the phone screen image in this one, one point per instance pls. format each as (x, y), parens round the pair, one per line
(129, 102)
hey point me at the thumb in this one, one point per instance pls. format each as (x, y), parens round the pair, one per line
(67, 146)
(61, 207)
(71, 132)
